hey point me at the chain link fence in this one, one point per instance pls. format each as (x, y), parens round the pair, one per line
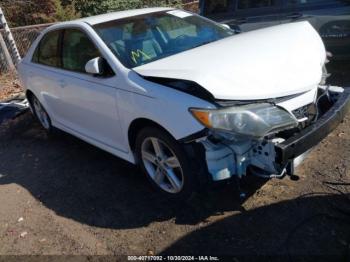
(24, 37)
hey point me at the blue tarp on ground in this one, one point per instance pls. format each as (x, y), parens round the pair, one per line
(11, 109)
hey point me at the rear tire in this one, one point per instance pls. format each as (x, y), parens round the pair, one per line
(41, 115)
(165, 164)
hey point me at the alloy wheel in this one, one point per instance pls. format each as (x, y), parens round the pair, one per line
(162, 165)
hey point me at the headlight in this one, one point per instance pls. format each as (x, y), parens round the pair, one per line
(257, 120)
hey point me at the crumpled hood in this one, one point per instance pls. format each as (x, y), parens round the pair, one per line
(268, 63)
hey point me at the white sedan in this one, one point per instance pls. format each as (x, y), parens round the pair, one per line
(185, 98)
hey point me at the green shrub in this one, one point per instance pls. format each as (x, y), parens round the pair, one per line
(89, 8)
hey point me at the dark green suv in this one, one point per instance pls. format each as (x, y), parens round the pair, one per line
(331, 18)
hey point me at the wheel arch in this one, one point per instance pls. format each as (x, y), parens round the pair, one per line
(139, 124)
(29, 95)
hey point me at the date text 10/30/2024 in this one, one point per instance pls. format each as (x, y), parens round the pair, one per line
(173, 258)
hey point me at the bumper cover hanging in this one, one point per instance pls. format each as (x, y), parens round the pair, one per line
(314, 134)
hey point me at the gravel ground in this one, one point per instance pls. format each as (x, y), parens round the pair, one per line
(61, 196)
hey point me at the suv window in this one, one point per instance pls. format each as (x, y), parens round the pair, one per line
(47, 52)
(310, 2)
(77, 50)
(250, 4)
(213, 7)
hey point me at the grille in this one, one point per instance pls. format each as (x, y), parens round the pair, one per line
(306, 113)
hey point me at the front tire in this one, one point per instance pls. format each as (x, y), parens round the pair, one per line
(165, 163)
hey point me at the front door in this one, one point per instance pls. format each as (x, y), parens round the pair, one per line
(89, 103)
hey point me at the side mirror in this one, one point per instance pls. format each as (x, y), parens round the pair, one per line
(95, 66)
(226, 26)
(236, 29)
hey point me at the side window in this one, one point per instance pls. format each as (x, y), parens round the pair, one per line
(213, 7)
(250, 4)
(77, 50)
(47, 52)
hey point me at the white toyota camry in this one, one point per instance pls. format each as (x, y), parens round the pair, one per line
(185, 98)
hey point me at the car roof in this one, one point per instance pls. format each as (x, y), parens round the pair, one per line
(93, 20)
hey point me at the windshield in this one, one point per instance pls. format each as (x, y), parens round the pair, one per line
(143, 39)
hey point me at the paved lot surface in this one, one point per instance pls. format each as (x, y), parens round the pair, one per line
(62, 196)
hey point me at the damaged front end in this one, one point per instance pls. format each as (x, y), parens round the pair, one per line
(268, 138)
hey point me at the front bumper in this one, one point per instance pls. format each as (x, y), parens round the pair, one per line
(224, 156)
(312, 135)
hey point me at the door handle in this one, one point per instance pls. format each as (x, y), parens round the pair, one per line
(294, 16)
(62, 83)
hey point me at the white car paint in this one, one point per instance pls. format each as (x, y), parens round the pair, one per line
(273, 62)
(100, 111)
(268, 63)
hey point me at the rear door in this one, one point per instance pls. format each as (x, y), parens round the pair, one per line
(255, 14)
(43, 75)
